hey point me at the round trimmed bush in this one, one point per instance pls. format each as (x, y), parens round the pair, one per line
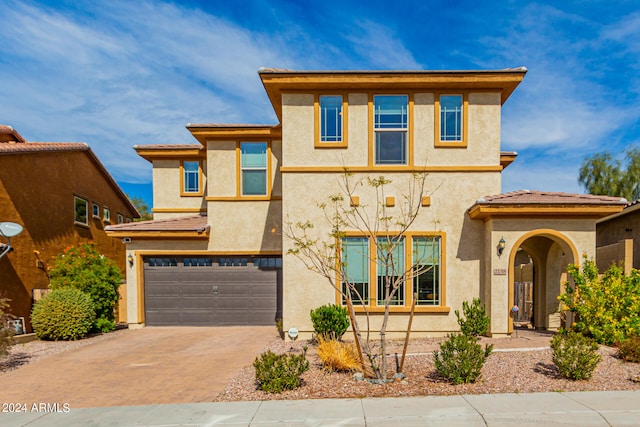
(63, 314)
(330, 321)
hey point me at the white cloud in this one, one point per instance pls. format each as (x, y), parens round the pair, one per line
(379, 47)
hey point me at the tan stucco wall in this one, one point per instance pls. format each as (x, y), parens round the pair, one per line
(245, 225)
(483, 134)
(450, 195)
(221, 167)
(166, 190)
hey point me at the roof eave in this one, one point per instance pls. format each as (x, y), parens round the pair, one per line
(159, 234)
(210, 132)
(277, 82)
(489, 211)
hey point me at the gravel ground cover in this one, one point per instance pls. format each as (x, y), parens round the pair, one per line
(521, 369)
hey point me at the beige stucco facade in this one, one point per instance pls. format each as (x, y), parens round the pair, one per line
(303, 173)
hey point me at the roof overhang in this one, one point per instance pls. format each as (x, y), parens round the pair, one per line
(221, 132)
(160, 235)
(277, 81)
(486, 212)
(507, 157)
(170, 151)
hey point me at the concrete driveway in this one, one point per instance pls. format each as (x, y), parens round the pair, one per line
(141, 367)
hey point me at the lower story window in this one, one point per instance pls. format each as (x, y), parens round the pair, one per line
(402, 267)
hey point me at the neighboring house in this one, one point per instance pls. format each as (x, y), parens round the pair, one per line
(618, 238)
(215, 253)
(61, 195)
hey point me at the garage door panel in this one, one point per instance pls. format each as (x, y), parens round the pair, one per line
(211, 293)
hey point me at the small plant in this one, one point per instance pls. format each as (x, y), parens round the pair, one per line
(63, 314)
(6, 331)
(461, 358)
(278, 372)
(629, 349)
(338, 356)
(474, 321)
(84, 268)
(330, 321)
(575, 355)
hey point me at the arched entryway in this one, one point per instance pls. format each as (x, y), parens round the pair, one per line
(550, 252)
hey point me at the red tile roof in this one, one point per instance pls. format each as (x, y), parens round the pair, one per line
(42, 147)
(196, 223)
(19, 145)
(529, 197)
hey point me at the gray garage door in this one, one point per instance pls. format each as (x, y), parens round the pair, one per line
(212, 291)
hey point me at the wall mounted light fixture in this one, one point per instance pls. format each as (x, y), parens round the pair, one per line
(130, 259)
(501, 245)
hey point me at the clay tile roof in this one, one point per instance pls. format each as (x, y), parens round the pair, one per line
(196, 223)
(529, 197)
(9, 134)
(35, 147)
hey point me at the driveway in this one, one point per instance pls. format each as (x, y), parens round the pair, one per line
(140, 367)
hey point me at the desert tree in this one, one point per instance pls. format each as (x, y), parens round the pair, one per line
(380, 228)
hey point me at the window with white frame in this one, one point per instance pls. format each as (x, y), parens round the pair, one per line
(191, 177)
(253, 165)
(391, 116)
(81, 208)
(451, 118)
(96, 210)
(120, 218)
(106, 214)
(330, 118)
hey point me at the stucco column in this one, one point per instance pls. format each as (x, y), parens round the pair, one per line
(498, 272)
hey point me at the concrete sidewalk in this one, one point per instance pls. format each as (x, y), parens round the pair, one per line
(610, 408)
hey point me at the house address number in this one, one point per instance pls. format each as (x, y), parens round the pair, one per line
(499, 271)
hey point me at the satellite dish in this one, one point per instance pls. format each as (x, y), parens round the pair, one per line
(10, 229)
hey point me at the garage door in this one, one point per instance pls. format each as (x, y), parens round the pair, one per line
(206, 291)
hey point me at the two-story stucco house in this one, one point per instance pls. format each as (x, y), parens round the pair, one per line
(215, 252)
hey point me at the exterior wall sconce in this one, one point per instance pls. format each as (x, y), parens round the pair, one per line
(501, 245)
(130, 259)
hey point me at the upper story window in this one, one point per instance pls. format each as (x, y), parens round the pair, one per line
(451, 120)
(96, 211)
(391, 127)
(106, 216)
(330, 118)
(81, 208)
(120, 218)
(191, 178)
(253, 165)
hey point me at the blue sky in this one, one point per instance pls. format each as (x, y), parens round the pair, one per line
(118, 73)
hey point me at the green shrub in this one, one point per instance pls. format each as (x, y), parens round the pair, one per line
(607, 308)
(575, 355)
(278, 372)
(63, 314)
(6, 331)
(330, 321)
(84, 268)
(461, 358)
(475, 321)
(629, 349)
